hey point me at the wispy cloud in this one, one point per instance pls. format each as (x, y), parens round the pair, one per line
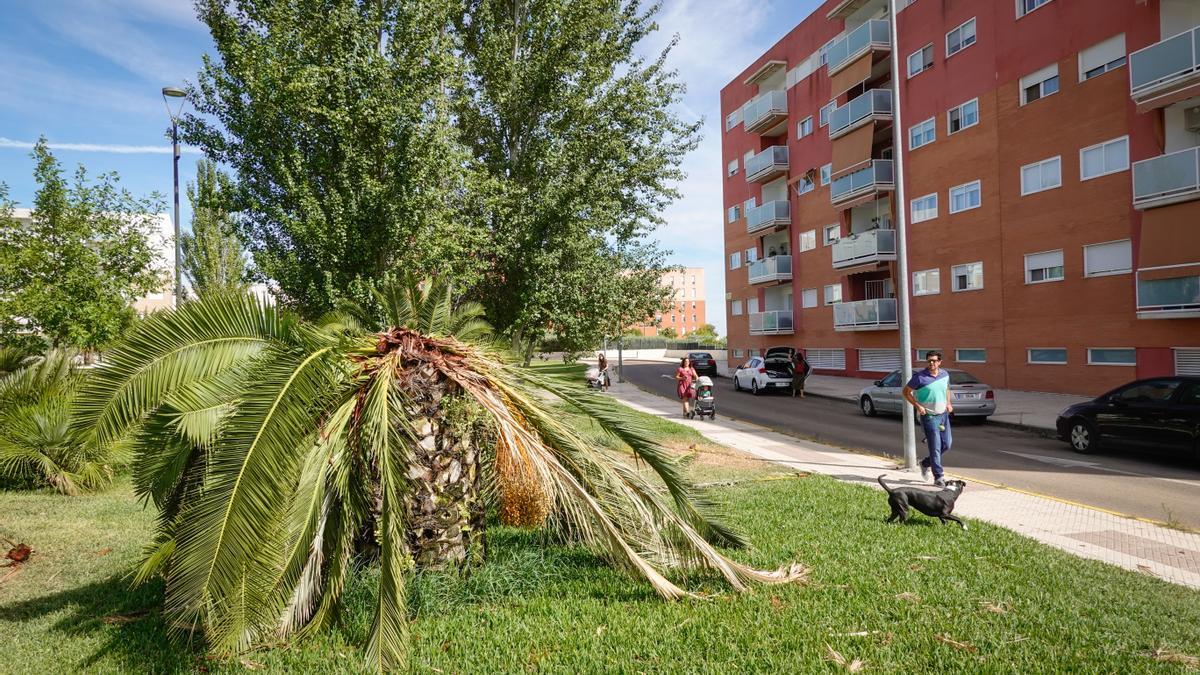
(100, 147)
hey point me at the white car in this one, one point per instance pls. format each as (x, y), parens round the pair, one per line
(760, 374)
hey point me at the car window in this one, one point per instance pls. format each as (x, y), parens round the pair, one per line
(1157, 391)
(962, 377)
(1190, 395)
(702, 355)
(892, 380)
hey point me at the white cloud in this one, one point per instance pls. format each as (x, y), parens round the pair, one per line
(100, 147)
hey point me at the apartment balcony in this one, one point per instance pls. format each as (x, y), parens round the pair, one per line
(767, 115)
(872, 36)
(1166, 179)
(770, 215)
(874, 246)
(878, 314)
(767, 165)
(773, 269)
(776, 322)
(1166, 72)
(872, 106)
(875, 177)
(1176, 297)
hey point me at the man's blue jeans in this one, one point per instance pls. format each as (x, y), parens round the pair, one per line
(937, 440)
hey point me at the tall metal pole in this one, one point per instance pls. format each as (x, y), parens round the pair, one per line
(175, 152)
(902, 281)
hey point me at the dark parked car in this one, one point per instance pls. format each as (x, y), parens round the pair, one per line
(704, 363)
(1161, 413)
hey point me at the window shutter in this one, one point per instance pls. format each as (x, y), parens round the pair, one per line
(1115, 256)
(826, 359)
(878, 360)
(1043, 260)
(1100, 54)
(1187, 361)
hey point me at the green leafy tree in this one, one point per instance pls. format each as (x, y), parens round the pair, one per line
(73, 273)
(282, 453)
(668, 333)
(333, 116)
(579, 144)
(704, 330)
(213, 256)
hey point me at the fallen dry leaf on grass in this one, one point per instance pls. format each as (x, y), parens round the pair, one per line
(776, 602)
(854, 666)
(119, 619)
(910, 597)
(914, 568)
(861, 633)
(17, 553)
(104, 551)
(1165, 655)
(1145, 569)
(252, 665)
(965, 646)
(994, 608)
(927, 557)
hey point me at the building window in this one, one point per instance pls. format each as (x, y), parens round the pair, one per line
(735, 260)
(823, 52)
(1039, 84)
(733, 119)
(923, 353)
(805, 185)
(960, 38)
(739, 353)
(965, 197)
(732, 169)
(832, 233)
(735, 307)
(824, 113)
(1043, 175)
(924, 208)
(826, 172)
(1113, 257)
(826, 359)
(963, 116)
(922, 134)
(808, 240)
(804, 128)
(927, 282)
(808, 298)
(921, 60)
(751, 305)
(750, 203)
(967, 277)
(734, 213)
(833, 294)
(1104, 158)
(1043, 267)
(1048, 355)
(751, 256)
(1101, 58)
(1112, 356)
(970, 355)
(1026, 6)
(747, 157)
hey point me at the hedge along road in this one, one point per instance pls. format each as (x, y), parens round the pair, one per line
(1158, 487)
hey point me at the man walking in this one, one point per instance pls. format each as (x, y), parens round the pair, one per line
(929, 393)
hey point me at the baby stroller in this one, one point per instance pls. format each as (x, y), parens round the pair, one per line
(596, 379)
(705, 404)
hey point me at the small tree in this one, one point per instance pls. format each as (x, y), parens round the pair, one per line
(213, 257)
(72, 273)
(668, 333)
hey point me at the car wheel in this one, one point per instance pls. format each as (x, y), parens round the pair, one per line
(868, 406)
(737, 385)
(1082, 437)
(754, 387)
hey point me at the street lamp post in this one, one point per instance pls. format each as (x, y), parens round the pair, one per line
(169, 93)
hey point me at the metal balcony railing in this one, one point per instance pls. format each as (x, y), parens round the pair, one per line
(775, 268)
(768, 215)
(767, 164)
(875, 103)
(864, 247)
(1167, 179)
(766, 111)
(775, 322)
(879, 314)
(1174, 298)
(877, 176)
(872, 34)
(1164, 63)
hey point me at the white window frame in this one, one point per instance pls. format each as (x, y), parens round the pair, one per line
(809, 236)
(825, 295)
(735, 307)
(751, 256)
(752, 305)
(804, 298)
(1046, 76)
(936, 273)
(1107, 66)
(824, 112)
(1057, 160)
(731, 169)
(1029, 271)
(739, 353)
(928, 125)
(1101, 147)
(912, 208)
(1107, 273)
(1022, 12)
(837, 234)
(959, 359)
(735, 260)
(1029, 356)
(950, 193)
(805, 185)
(961, 47)
(826, 173)
(960, 107)
(801, 131)
(920, 52)
(1120, 364)
(954, 273)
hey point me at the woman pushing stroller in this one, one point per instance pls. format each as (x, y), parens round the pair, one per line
(686, 375)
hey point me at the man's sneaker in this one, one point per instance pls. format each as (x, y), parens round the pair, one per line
(924, 472)
(939, 482)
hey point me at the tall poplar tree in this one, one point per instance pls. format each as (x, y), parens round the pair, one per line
(213, 256)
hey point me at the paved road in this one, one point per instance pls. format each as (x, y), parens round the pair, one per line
(1162, 488)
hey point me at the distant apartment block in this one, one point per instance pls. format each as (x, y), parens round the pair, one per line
(686, 313)
(1051, 156)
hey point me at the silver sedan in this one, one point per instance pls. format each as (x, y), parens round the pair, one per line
(970, 397)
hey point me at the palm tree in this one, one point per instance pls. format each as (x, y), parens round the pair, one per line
(279, 452)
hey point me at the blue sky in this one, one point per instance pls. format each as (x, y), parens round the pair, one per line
(87, 74)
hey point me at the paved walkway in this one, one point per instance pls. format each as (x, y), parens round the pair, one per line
(1142, 547)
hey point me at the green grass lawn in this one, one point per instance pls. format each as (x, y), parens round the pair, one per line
(902, 598)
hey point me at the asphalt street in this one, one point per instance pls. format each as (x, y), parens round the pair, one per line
(1159, 487)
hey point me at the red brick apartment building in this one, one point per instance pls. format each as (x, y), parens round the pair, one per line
(1051, 156)
(686, 313)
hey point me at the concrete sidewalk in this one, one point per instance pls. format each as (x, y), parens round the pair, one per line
(1139, 546)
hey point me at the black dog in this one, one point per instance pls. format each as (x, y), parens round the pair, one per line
(935, 504)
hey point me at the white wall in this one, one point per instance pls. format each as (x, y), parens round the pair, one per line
(1176, 16)
(1177, 137)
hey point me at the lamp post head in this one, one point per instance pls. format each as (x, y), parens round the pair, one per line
(173, 92)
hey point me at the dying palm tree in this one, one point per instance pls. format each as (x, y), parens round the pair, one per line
(279, 452)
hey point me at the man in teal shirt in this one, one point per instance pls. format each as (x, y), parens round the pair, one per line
(929, 392)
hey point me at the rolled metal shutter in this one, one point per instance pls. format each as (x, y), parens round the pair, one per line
(878, 360)
(1187, 361)
(826, 359)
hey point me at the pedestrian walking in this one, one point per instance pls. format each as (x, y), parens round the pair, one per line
(928, 393)
(602, 364)
(800, 372)
(686, 375)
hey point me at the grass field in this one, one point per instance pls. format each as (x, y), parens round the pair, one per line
(901, 598)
